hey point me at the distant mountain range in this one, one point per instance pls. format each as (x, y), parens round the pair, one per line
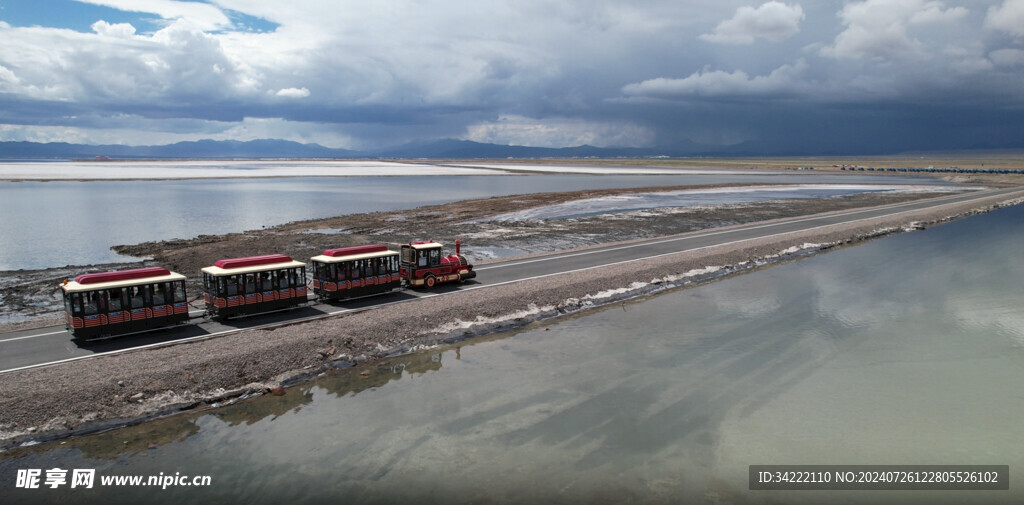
(446, 148)
(197, 149)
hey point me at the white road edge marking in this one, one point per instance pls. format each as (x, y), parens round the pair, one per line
(32, 336)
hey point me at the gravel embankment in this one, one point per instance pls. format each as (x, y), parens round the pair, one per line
(86, 395)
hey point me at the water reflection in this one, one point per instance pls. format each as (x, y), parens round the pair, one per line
(904, 350)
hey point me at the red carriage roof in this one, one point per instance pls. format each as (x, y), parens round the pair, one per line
(252, 261)
(122, 275)
(351, 251)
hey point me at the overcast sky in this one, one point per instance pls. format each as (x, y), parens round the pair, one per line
(846, 75)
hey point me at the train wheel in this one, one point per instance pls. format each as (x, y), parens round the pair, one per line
(430, 281)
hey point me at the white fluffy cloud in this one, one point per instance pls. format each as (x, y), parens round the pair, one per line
(118, 30)
(1007, 17)
(781, 82)
(293, 92)
(201, 15)
(880, 29)
(773, 21)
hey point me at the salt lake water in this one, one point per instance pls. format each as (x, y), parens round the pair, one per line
(58, 223)
(904, 350)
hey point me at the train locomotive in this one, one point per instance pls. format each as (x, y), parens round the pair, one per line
(424, 266)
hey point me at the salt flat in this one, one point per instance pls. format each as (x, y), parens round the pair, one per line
(603, 169)
(223, 169)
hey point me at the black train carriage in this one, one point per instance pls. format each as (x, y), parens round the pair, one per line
(122, 302)
(255, 284)
(355, 271)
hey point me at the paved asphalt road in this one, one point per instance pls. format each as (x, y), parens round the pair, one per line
(53, 344)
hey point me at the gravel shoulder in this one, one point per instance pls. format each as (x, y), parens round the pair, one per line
(107, 391)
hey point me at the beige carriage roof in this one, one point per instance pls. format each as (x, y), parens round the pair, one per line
(74, 287)
(426, 245)
(338, 259)
(220, 272)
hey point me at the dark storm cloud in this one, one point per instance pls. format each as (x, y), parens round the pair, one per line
(853, 75)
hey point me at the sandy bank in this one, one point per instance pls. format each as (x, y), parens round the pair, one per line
(91, 394)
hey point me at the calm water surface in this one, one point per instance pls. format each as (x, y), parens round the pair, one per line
(51, 224)
(905, 350)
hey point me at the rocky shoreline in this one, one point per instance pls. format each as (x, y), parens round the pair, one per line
(98, 393)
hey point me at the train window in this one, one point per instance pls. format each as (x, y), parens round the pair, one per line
(97, 304)
(115, 300)
(179, 291)
(160, 294)
(434, 257)
(232, 285)
(140, 296)
(68, 303)
(342, 271)
(371, 268)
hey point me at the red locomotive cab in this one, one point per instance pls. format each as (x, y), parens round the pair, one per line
(423, 265)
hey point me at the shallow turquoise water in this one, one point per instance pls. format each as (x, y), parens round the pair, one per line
(904, 350)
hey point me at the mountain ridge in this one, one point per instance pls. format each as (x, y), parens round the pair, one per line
(438, 149)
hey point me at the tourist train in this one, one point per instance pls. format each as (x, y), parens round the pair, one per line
(100, 305)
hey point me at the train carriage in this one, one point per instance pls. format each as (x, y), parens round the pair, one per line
(424, 265)
(355, 271)
(122, 302)
(255, 284)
